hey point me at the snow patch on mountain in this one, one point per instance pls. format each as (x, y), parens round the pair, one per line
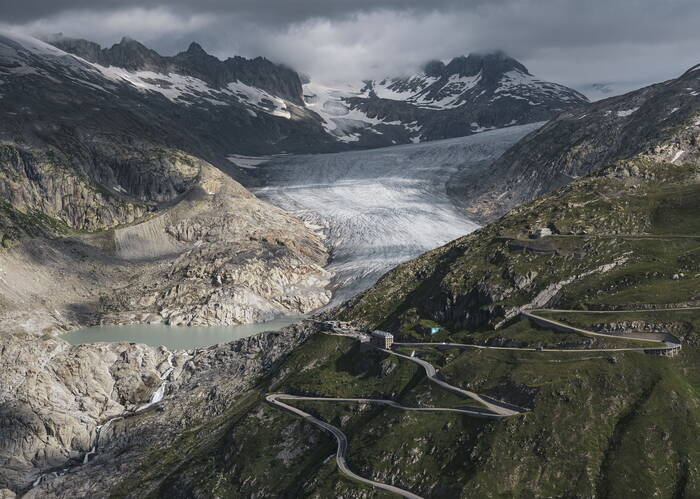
(23, 43)
(188, 90)
(341, 120)
(419, 90)
(452, 92)
(519, 85)
(626, 112)
(248, 162)
(260, 99)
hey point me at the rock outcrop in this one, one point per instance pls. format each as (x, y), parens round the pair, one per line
(58, 399)
(54, 396)
(217, 256)
(654, 120)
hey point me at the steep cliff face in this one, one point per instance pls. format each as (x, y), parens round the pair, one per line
(110, 187)
(581, 141)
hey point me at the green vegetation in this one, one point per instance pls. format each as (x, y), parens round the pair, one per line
(16, 225)
(680, 323)
(611, 413)
(599, 424)
(621, 241)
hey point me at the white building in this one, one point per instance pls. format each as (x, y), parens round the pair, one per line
(382, 339)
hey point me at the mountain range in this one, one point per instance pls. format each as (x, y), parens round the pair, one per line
(468, 95)
(119, 206)
(242, 100)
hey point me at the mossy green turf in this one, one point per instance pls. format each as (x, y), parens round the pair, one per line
(596, 428)
(16, 225)
(623, 242)
(521, 333)
(603, 425)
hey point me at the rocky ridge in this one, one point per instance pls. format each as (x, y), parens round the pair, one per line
(195, 62)
(468, 95)
(578, 142)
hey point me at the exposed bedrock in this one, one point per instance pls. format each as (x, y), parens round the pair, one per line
(61, 401)
(218, 255)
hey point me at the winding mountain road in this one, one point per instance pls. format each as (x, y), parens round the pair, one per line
(560, 326)
(340, 437)
(495, 409)
(499, 409)
(466, 346)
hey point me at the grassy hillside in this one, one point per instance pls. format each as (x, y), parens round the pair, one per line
(626, 237)
(625, 241)
(596, 428)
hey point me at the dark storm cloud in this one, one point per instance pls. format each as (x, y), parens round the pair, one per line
(273, 12)
(570, 41)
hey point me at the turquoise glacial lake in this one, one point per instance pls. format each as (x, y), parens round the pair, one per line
(175, 337)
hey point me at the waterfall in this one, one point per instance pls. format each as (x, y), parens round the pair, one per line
(156, 397)
(160, 392)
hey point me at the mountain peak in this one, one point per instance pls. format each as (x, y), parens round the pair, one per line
(434, 68)
(491, 65)
(127, 40)
(196, 48)
(132, 55)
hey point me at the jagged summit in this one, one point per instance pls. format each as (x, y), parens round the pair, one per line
(469, 94)
(466, 78)
(195, 62)
(434, 68)
(490, 65)
(196, 48)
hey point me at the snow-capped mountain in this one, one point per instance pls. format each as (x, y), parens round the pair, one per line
(249, 106)
(468, 95)
(263, 85)
(254, 106)
(459, 83)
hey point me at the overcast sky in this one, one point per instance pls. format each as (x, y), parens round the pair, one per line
(575, 42)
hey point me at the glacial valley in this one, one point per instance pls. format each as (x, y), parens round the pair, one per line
(381, 207)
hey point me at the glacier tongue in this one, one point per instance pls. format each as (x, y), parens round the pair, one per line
(380, 207)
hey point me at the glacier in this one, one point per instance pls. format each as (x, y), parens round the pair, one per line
(380, 207)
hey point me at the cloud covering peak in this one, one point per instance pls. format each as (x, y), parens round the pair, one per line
(568, 41)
